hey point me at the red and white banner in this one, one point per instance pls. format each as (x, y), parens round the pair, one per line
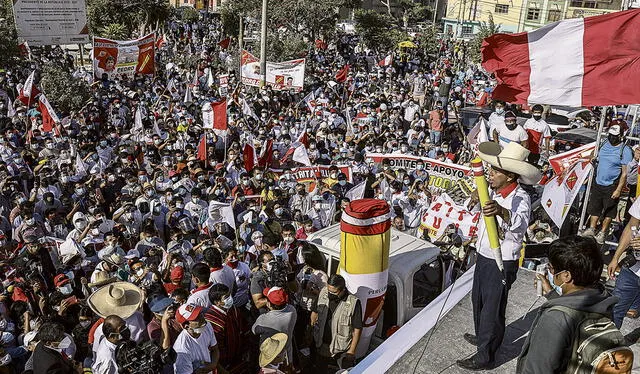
(117, 58)
(284, 75)
(386, 61)
(49, 116)
(573, 62)
(223, 82)
(444, 211)
(561, 190)
(564, 161)
(442, 176)
(214, 116)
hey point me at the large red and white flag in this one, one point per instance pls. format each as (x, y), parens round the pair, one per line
(576, 62)
(386, 61)
(214, 116)
(300, 155)
(29, 91)
(49, 116)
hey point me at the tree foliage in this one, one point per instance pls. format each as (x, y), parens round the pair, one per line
(8, 35)
(189, 15)
(115, 31)
(136, 16)
(378, 30)
(427, 40)
(64, 91)
(486, 29)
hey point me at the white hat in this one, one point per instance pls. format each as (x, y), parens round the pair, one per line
(271, 348)
(119, 298)
(615, 130)
(512, 158)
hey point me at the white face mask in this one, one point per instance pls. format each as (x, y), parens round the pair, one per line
(553, 282)
(289, 239)
(85, 323)
(228, 302)
(140, 272)
(66, 289)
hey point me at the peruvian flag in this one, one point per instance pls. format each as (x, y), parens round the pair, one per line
(249, 156)
(160, 41)
(321, 44)
(386, 61)
(576, 62)
(214, 116)
(266, 154)
(29, 91)
(49, 116)
(301, 142)
(202, 149)
(341, 76)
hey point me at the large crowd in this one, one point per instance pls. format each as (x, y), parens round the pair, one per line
(127, 221)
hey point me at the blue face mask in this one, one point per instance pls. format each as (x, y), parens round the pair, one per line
(280, 252)
(551, 277)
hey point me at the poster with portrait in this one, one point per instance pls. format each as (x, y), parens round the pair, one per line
(284, 75)
(117, 58)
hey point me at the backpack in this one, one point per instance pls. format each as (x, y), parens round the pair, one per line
(598, 346)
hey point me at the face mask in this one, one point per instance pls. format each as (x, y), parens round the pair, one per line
(149, 193)
(419, 167)
(614, 139)
(245, 182)
(406, 182)
(269, 265)
(3, 324)
(342, 182)
(258, 177)
(49, 145)
(241, 248)
(198, 330)
(537, 117)
(317, 206)
(166, 163)
(551, 277)
(95, 232)
(228, 302)
(499, 111)
(66, 289)
(80, 191)
(258, 241)
(279, 211)
(289, 239)
(511, 126)
(111, 178)
(333, 297)
(334, 176)
(85, 323)
(30, 221)
(139, 272)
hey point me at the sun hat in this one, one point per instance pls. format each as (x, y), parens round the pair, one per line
(271, 348)
(102, 278)
(510, 158)
(113, 258)
(119, 298)
(188, 312)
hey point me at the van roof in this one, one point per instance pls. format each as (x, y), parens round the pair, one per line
(401, 244)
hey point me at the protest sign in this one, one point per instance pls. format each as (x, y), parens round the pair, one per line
(560, 191)
(284, 75)
(442, 176)
(117, 58)
(52, 22)
(223, 82)
(443, 212)
(564, 161)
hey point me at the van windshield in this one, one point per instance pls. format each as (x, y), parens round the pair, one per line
(427, 283)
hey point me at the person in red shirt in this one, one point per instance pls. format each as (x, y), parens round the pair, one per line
(539, 134)
(177, 273)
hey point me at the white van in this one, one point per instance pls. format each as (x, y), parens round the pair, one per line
(416, 274)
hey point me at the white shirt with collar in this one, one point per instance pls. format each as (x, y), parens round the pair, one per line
(514, 198)
(193, 353)
(105, 362)
(200, 296)
(136, 325)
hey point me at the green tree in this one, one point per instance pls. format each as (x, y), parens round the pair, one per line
(427, 40)
(140, 16)
(413, 11)
(115, 31)
(65, 92)
(378, 30)
(189, 15)
(8, 35)
(486, 30)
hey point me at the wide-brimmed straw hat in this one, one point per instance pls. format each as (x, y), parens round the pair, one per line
(271, 348)
(102, 278)
(513, 158)
(119, 298)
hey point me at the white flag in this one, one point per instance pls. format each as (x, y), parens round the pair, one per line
(210, 80)
(137, 124)
(221, 212)
(28, 85)
(356, 192)
(81, 169)
(247, 111)
(350, 132)
(560, 191)
(187, 95)
(478, 133)
(300, 155)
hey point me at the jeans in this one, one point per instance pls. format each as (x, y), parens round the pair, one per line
(627, 290)
(434, 136)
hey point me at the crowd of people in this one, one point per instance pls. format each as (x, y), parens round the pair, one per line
(132, 237)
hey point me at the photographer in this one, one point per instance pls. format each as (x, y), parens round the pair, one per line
(163, 328)
(49, 355)
(259, 280)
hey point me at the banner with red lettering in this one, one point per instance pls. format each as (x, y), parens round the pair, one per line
(444, 211)
(118, 58)
(442, 176)
(308, 174)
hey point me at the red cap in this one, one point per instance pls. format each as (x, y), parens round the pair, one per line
(61, 280)
(177, 273)
(333, 110)
(188, 313)
(276, 295)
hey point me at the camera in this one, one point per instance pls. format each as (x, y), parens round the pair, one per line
(306, 277)
(277, 276)
(146, 358)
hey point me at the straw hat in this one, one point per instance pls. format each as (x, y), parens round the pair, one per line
(271, 348)
(119, 298)
(102, 278)
(512, 158)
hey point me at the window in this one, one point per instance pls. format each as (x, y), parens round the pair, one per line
(467, 30)
(427, 283)
(502, 8)
(576, 3)
(554, 15)
(533, 14)
(590, 4)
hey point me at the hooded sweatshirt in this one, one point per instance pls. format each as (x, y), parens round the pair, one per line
(547, 348)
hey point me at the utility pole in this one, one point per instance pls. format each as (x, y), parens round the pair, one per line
(241, 35)
(435, 14)
(263, 45)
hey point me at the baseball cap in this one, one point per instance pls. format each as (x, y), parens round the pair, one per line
(160, 304)
(61, 280)
(177, 273)
(276, 295)
(614, 130)
(188, 312)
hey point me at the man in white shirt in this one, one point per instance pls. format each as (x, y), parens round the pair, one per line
(511, 207)
(115, 330)
(539, 134)
(200, 274)
(510, 131)
(196, 346)
(496, 119)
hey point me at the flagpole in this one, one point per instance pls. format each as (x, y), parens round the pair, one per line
(603, 117)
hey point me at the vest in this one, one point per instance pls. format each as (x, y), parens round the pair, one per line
(341, 329)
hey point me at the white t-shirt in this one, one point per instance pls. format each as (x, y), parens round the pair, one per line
(507, 136)
(200, 296)
(193, 353)
(224, 276)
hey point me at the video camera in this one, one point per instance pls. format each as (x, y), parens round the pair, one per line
(146, 358)
(278, 276)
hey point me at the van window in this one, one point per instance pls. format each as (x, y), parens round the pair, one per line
(335, 262)
(390, 308)
(427, 283)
